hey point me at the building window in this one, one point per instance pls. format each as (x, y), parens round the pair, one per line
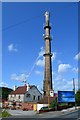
(28, 95)
(13, 96)
(34, 97)
(38, 97)
(19, 96)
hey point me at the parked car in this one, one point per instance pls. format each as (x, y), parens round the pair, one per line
(44, 108)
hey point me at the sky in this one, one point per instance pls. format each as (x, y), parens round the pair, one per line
(40, 1)
(23, 45)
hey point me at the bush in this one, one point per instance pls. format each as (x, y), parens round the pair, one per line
(77, 96)
(53, 104)
(62, 104)
(5, 114)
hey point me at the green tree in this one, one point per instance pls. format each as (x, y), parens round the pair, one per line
(4, 92)
(77, 96)
(54, 103)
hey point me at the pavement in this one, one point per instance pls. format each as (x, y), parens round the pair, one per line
(21, 112)
(47, 116)
(59, 113)
(70, 109)
(33, 114)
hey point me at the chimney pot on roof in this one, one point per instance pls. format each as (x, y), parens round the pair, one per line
(28, 87)
(14, 87)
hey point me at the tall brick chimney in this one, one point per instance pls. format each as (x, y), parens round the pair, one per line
(47, 83)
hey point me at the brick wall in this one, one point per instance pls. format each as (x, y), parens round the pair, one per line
(27, 106)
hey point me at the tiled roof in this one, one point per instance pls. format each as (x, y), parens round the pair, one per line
(20, 90)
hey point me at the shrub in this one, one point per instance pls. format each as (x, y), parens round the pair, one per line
(53, 104)
(77, 96)
(5, 114)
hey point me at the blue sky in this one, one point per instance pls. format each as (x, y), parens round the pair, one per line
(23, 45)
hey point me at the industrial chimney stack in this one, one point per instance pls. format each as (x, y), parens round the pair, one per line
(47, 83)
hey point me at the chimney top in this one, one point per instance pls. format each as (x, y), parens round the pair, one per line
(47, 13)
(47, 17)
(14, 87)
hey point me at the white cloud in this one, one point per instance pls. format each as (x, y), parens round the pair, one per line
(77, 56)
(41, 59)
(61, 82)
(54, 56)
(39, 72)
(42, 51)
(21, 77)
(3, 84)
(63, 68)
(11, 47)
(40, 62)
(65, 85)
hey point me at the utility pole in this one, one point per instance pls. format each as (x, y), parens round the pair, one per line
(74, 91)
(73, 85)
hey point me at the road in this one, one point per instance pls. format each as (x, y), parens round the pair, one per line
(49, 116)
(73, 115)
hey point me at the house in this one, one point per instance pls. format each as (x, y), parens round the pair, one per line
(24, 97)
(32, 95)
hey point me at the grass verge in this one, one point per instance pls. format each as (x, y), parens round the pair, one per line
(4, 114)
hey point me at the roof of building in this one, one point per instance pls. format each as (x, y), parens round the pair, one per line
(20, 90)
(45, 99)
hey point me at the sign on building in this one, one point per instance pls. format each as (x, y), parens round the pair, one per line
(66, 96)
(52, 93)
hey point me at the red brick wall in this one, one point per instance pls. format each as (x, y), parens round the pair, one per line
(28, 106)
